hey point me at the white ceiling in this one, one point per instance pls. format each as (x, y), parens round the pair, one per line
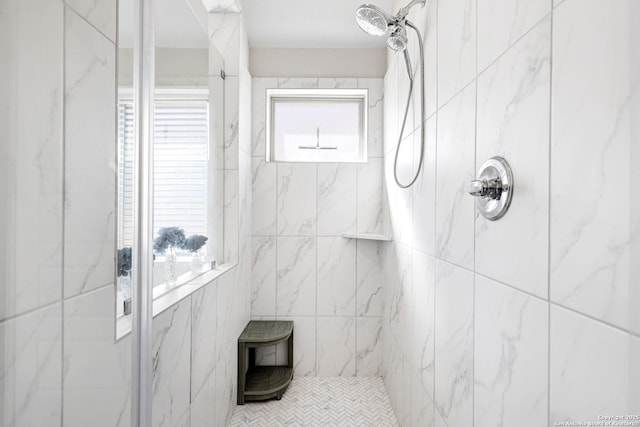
(308, 23)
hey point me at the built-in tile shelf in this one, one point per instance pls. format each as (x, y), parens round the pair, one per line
(380, 237)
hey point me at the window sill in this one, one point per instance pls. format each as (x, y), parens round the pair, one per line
(171, 297)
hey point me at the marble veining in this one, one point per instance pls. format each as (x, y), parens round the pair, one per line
(513, 122)
(590, 259)
(454, 345)
(455, 156)
(171, 373)
(514, 326)
(336, 347)
(336, 294)
(296, 276)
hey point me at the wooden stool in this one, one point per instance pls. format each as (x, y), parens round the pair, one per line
(263, 382)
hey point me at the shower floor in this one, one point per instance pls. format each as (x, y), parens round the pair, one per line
(322, 402)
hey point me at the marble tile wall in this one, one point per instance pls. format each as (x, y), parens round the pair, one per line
(512, 322)
(60, 362)
(303, 270)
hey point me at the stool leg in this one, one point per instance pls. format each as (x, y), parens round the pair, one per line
(290, 353)
(241, 372)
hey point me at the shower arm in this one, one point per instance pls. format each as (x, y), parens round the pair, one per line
(403, 12)
(406, 111)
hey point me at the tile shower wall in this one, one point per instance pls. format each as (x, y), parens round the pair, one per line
(524, 321)
(303, 270)
(60, 364)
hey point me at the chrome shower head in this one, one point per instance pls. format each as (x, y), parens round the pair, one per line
(398, 39)
(373, 20)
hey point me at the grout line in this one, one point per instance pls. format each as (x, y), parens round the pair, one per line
(91, 24)
(515, 42)
(63, 207)
(549, 221)
(474, 216)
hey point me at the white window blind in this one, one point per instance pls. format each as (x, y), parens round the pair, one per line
(181, 154)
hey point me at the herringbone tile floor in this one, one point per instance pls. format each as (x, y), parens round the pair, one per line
(322, 402)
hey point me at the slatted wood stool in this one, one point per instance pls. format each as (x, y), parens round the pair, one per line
(263, 382)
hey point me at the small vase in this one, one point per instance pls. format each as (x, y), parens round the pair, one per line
(197, 261)
(170, 268)
(125, 285)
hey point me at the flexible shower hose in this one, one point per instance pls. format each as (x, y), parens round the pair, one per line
(406, 111)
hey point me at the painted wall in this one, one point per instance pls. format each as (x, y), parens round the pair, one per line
(60, 364)
(303, 270)
(513, 322)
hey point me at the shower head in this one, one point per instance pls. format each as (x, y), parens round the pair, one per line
(373, 20)
(398, 39)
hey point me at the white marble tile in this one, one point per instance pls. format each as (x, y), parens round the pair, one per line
(369, 346)
(336, 346)
(259, 114)
(634, 249)
(89, 157)
(203, 404)
(336, 276)
(501, 24)
(513, 122)
(231, 121)
(102, 14)
(425, 18)
(422, 406)
(31, 171)
(370, 278)
(455, 160)
(456, 47)
(375, 143)
(216, 111)
(224, 315)
(263, 277)
(402, 198)
(203, 337)
(263, 192)
(304, 346)
(510, 358)
(337, 83)
(245, 130)
(391, 107)
(296, 276)
(398, 384)
(170, 364)
(225, 387)
(454, 344)
(422, 356)
(370, 205)
(97, 371)
(231, 215)
(590, 228)
(225, 33)
(297, 83)
(398, 306)
(30, 375)
(590, 369)
(424, 193)
(296, 199)
(337, 199)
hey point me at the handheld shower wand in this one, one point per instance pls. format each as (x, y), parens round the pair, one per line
(375, 21)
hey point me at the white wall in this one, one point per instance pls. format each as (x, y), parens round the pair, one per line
(303, 270)
(315, 63)
(512, 322)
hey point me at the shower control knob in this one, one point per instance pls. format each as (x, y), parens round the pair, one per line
(493, 189)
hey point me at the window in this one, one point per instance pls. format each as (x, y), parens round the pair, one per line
(316, 125)
(181, 167)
